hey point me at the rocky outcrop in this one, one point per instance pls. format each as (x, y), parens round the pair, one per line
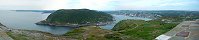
(3, 34)
(19, 34)
(1, 24)
(197, 21)
(35, 35)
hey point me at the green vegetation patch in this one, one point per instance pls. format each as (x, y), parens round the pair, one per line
(88, 33)
(17, 37)
(114, 36)
(146, 30)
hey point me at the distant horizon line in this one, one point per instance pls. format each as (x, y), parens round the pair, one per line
(116, 10)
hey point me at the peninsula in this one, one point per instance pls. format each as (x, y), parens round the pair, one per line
(77, 18)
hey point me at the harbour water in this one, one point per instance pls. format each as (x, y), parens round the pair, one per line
(27, 20)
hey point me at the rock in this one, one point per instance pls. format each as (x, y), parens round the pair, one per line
(3, 34)
(197, 21)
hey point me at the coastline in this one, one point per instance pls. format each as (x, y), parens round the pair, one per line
(44, 22)
(3, 33)
(19, 34)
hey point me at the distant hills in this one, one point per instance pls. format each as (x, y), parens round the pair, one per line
(44, 11)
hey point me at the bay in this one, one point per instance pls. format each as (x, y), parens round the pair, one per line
(27, 20)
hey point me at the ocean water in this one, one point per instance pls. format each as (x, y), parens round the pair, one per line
(27, 20)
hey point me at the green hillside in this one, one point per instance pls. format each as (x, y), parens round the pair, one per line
(143, 30)
(78, 16)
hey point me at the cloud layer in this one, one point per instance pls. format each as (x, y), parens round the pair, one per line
(101, 4)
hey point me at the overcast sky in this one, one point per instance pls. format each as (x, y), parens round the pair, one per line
(100, 4)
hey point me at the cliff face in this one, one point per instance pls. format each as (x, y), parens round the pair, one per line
(1, 24)
(77, 17)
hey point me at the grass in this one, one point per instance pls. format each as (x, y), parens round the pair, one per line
(143, 30)
(75, 32)
(124, 30)
(87, 33)
(17, 37)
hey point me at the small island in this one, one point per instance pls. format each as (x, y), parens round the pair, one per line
(77, 18)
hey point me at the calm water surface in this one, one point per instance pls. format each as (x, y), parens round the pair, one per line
(122, 17)
(27, 20)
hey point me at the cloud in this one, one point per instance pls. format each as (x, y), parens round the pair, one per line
(56, 4)
(157, 4)
(101, 4)
(78, 4)
(22, 4)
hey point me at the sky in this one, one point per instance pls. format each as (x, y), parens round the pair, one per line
(99, 4)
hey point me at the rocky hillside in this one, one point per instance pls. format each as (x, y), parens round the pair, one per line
(3, 34)
(17, 34)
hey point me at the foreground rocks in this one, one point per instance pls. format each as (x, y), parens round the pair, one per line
(3, 34)
(18, 34)
(82, 33)
(34, 35)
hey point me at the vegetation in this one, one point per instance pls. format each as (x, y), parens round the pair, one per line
(88, 33)
(124, 30)
(78, 16)
(143, 30)
(17, 37)
(95, 33)
(178, 16)
(167, 15)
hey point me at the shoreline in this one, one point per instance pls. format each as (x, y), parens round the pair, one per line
(44, 22)
(16, 34)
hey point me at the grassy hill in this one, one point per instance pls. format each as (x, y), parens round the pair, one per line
(143, 30)
(77, 17)
(96, 33)
(124, 30)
